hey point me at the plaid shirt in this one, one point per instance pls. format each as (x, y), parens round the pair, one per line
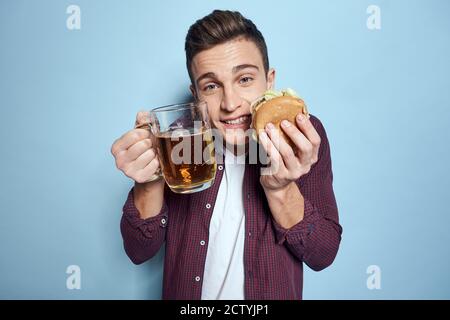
(273, 256)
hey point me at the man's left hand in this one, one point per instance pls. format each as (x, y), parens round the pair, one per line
(288, 164)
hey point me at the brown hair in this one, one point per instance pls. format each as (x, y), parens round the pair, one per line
(219, 27)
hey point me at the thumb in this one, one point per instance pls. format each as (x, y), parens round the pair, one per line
(142, 117)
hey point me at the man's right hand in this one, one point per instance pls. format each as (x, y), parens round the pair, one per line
(136, 157)
(134, 152)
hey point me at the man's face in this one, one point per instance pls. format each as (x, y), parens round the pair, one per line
(229, 77)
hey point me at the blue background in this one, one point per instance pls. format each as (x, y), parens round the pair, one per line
(65, 96)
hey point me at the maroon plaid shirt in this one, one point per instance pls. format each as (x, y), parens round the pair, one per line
(273, 256)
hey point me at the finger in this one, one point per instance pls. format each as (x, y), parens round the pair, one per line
(304, 146)
(285, 150)
(144, 159)
(147, 173)
(128, 139)
(142, 117)
(305, 125)
(276, 162)
(140, 163)
(137, 149)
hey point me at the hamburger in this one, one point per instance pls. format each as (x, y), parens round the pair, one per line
(275, 106)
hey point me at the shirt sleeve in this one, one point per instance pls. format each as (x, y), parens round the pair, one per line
(315, 240)
(142, 238)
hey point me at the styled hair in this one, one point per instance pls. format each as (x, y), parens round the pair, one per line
(219, 27)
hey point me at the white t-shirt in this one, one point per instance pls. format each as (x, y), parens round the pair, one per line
(224, 267)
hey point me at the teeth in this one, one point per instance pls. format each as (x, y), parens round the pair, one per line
(238, 120)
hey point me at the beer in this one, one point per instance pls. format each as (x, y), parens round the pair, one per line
(184, 143)
(187, 160)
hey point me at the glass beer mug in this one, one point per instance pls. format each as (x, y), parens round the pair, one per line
(184, 142)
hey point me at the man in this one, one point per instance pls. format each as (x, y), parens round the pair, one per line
(247, 236)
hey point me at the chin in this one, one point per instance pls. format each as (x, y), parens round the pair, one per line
(236, 139)
(230, 136)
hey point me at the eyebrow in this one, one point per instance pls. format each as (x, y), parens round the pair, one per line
(205, 75)
(234, 70)
(244, 66)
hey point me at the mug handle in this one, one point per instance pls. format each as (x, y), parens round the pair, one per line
(158, 174)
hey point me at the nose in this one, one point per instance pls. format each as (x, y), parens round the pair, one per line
(230, 100)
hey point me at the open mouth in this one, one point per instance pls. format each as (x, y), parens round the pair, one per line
(245, 119)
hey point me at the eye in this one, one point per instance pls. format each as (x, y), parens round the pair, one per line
(245, 80)
(210, 86)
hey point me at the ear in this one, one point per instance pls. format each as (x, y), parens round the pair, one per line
(270, 79)
(193, 91)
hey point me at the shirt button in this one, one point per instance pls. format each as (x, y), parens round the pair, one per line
(202, 243)
(208, 206)
(220, 168)
(197, 278)
(249, 234)
(163, 221)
